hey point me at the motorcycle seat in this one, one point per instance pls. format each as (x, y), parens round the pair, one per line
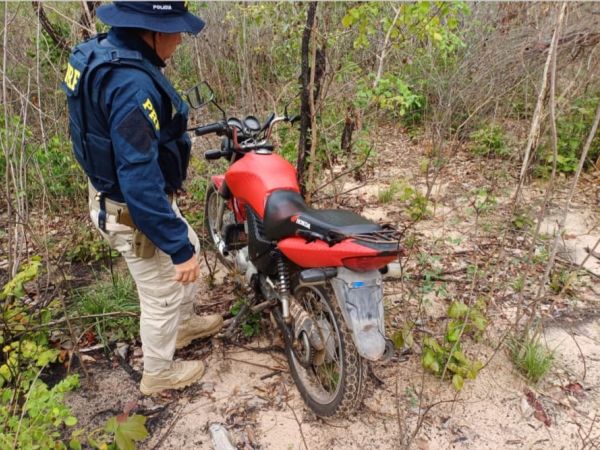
(286, 213)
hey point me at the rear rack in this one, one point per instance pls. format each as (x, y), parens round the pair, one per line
(385, 236)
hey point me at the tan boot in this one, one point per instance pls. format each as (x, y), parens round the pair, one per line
(197, 327)
(178, 376)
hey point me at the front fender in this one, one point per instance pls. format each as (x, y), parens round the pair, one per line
(360, 296)
(218, 181)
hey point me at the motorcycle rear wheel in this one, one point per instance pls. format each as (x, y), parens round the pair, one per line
(332, 387)
(214, 233)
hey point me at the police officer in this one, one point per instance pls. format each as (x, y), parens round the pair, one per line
(128, 128)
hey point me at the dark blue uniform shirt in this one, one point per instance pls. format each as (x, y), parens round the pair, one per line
(135, 110)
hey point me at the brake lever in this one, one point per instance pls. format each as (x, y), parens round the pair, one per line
(293, 119)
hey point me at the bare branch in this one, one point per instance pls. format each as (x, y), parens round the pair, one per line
(48, 27)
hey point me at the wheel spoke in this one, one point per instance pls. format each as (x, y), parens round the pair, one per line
(322, 380)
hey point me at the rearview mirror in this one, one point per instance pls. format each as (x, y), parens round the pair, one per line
(200, 95)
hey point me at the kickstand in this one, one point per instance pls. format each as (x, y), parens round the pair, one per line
(243, 312)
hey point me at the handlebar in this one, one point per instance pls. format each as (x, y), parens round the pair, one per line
(213, 154)
(220, 153)
(233, 134)
(218, 127)
(268, 147)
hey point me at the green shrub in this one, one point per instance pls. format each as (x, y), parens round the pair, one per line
(39, 422)
(447, 359)
(391, 94)
(388, 194)
(88, 246)
(572, 131)
(61, 176)
(562, 280)
(51, 169)
(530, 357)
(33, 415)
(490, 140)
(108, 296)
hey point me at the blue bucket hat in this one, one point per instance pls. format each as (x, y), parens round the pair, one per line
(164, 17)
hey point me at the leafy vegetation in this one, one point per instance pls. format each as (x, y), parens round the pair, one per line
(390, 94)
(531, 357)
(250, 321)
(116, 295)
(572, 128)
(33, 414)
(120, 432)
(490, 140)
(447, 359)
(88, 246)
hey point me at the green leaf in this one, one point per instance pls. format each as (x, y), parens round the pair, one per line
(433, 345)
(458, 310)
(474, 370)
(455, 368)
(478, 320)
(398, 340)
(27, 273)
(428, 358)
(128, 432)
(460, 357)
(453, 331)
(347, 20)
(458, 382)
(70, 421)
(46, 357)
(111, 425)
(45, 316)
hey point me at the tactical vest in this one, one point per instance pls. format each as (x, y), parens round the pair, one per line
(89, 130)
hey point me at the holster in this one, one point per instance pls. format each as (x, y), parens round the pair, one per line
(142, 246)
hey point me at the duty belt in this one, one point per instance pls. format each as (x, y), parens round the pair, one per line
(107, 206)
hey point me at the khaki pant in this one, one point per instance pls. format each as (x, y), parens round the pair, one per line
(164, 303)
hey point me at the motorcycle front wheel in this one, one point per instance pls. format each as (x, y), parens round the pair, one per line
(216, 217)
(331, 381)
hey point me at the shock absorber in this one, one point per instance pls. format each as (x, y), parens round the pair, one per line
(283, 286)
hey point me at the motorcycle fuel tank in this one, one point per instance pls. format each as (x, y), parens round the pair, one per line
(252, 178)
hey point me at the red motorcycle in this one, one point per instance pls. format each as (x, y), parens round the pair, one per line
(318, 270)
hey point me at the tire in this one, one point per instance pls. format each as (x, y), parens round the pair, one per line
(213, 232)
(343, 392)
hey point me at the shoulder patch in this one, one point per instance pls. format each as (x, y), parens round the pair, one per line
(72, 77)
(150, 112)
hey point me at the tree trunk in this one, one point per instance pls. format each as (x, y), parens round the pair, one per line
(534, 133)
(49, 28)
(352, 123)
(304, 142)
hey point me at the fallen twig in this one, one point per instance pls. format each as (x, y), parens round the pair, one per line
(85, 317)
(295, 417)
(171, 426)
(576, 266)
(263, 366)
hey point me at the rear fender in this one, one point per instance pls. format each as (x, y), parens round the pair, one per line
(319, 254)
(360, 296)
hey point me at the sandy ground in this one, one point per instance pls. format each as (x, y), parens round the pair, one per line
(246, 392)
(252, 394)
